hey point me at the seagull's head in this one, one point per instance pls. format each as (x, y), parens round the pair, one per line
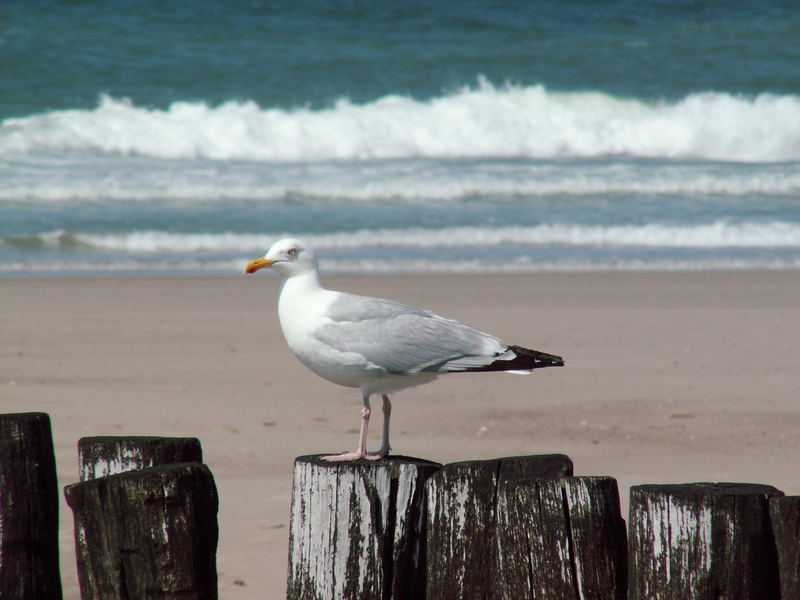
(288, 257)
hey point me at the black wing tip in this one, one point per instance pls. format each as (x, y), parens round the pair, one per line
(535, 359)
(525, 360)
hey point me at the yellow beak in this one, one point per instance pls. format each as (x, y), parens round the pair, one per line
(258, 264)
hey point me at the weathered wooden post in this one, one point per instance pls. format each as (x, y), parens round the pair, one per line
(144, 532)
(565, 536)
(28, 509)
(357, 529)
(784, 512)
(102, 456)
(702, 541)
(507, 528)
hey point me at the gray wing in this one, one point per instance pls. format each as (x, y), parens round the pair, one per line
(403, 339)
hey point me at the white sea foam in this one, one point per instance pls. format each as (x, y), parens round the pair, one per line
(133, 266)
(719, 234)
(124, 180)
(480, 121)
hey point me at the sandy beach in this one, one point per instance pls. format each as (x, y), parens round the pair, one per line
(671, 377)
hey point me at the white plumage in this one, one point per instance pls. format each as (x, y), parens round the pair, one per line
(377, 345)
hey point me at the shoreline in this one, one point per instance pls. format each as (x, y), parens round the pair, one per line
(389, 272)
(670, 377)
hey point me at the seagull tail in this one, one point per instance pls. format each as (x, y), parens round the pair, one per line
(516, 359)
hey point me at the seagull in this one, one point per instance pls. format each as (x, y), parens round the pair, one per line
(378, 346)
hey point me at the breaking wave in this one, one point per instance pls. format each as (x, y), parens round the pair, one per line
(719, 234)
(479, 121)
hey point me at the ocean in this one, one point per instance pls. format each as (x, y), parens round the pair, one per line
(152, 137)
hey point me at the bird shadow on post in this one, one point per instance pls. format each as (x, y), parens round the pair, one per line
(28, 509)
(357, 529)
(511, 527)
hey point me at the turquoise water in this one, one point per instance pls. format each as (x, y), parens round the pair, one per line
(458, 137)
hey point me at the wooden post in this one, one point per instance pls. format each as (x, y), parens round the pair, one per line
(563, 535)
(462, 521)
(148, 533)
(784, 514)
(28, 509)
(357, 529)
(702, 541)
(101, 456)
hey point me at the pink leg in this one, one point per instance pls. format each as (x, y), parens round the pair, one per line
(387, 413)
(362, 439)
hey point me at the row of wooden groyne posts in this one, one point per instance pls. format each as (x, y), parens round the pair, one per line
(145, 513)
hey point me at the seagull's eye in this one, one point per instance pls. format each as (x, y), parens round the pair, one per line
(291, 251)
